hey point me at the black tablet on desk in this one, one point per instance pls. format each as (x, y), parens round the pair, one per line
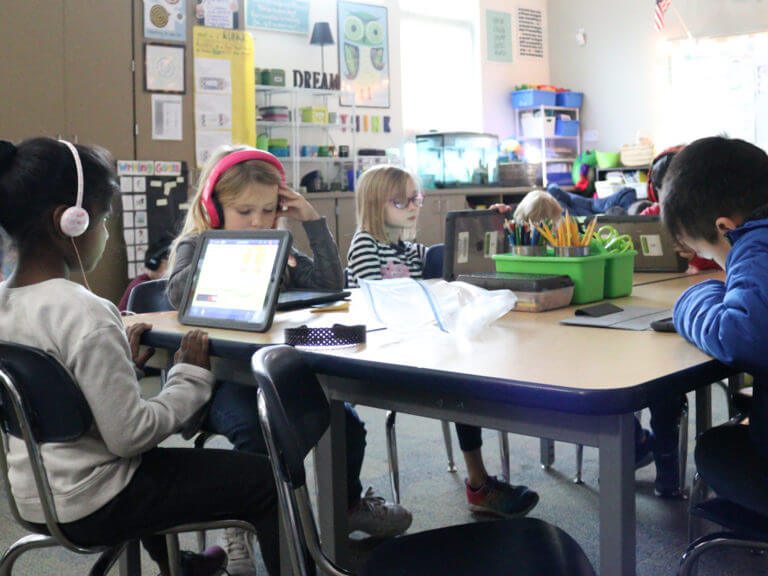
(236, 279)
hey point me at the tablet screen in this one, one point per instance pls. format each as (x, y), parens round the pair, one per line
(235, 280)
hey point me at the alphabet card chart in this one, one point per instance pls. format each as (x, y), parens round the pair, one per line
(154, 202)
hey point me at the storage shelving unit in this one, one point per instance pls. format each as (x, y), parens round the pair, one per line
(297, 130)
(546, 141)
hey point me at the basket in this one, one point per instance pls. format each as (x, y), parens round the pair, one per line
(640, 154)
(607, 159)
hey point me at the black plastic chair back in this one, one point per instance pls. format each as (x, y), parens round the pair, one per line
(433, 262)
(149, 297)
(54, 404)
(297, 409)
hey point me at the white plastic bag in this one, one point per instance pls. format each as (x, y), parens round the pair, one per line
(407, 305)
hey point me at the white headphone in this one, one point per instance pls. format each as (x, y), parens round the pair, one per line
(74, 221)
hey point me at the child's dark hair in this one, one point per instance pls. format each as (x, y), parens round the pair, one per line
(712, 178)
(39, 174)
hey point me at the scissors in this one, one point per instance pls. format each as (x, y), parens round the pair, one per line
(613, 241)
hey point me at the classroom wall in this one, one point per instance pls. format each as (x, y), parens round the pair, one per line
(499, 78)
(617, 67)
(294, 52)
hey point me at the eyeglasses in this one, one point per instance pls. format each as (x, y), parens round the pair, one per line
(417, 201)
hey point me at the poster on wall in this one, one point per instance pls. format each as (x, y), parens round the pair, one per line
(154, 202)
(364, 54)
(217, 13)
(498, 32)
(278, 15)
(165, 20)
(166, 117)
(225, 91)
(164, 68)
(530, 32)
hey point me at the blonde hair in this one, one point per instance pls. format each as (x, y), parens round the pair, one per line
(230, 187)
(376, 187)
(536, 206)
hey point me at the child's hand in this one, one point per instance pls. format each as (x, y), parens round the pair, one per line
(501, 208)
(194, 350)
(134, 332)
(294, 205)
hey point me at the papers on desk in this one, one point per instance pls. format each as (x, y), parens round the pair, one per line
(629, 318)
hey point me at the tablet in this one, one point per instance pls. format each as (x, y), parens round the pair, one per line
(236, 279)
(653, 242)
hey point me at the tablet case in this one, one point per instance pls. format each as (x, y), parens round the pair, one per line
(273, 289)
(516, 282)
(472, 237)
(653, 242)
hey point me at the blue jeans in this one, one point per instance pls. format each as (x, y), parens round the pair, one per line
(234, 414)
(580, 206)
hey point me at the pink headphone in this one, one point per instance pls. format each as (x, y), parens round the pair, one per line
(74, 220)
(225, 164)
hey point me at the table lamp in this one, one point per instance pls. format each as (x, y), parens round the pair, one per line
(321, 35)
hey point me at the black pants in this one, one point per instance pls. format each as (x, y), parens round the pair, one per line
(175, 486)
(470, 437)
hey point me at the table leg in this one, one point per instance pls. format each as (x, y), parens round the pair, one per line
(331, 470)
(617, 496)
(703, 409)
(547, 453)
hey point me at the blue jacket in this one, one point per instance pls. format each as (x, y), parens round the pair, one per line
(729, 320)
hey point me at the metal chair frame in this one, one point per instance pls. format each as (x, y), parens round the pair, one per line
(55, 537)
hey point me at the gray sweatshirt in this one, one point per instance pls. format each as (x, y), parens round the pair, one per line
(86, 334)
(324, 272)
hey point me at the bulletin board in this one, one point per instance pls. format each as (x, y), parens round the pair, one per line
(154, 202)
(225, 90)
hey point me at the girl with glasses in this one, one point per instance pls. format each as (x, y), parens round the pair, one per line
(388, 201)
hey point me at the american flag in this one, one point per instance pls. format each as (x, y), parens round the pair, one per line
(658, 17)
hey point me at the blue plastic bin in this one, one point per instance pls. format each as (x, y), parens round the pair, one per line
(569, 99)
(566, 127)
(560, 178)
(531, 98)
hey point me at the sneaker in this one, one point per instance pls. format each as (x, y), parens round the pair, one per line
(212, 562)
(501, 499)
(643, 449)
(667, 483)
(239, 548)
(377, 517)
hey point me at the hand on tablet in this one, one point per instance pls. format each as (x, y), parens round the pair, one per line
(194, 350)
(294, 205)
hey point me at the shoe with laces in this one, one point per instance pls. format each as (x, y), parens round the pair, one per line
(212, 562)
(239, 547)
(377, 517)
(501, 499)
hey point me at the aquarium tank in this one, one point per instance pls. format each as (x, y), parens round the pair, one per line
(452, 159)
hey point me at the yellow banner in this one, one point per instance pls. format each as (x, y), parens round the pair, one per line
(225, 100)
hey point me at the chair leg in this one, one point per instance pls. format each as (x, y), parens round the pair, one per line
(448, 446)
(22, 545)
(174, 554)
(579, 463)
(504, 454)
(689, 561)
(106, 560)
(683, 447)
(201, 541)
(699, 492)
(394, 466)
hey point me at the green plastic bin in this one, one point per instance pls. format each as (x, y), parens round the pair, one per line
(587, 272)
(619, 269)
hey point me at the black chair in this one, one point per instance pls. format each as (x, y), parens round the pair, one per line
(433, 268)
(294, 414)
(40, 403)
(148, 297)
(728, 462)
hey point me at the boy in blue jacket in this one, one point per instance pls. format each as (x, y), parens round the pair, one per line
(715, 200)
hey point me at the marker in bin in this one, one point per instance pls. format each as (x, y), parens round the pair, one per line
(524, 238)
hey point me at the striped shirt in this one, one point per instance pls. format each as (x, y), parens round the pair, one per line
(373, 260)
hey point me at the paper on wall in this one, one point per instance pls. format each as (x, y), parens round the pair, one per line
(126, 184)
(140, 184)
(207, 142)
(213, 112)
(166, 117)
(213, 76)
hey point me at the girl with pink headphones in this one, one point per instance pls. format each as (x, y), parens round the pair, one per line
(242, 188)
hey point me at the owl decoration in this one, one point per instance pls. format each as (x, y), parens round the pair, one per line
(363, 53)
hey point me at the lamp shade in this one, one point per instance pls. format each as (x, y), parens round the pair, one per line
(321, 34)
